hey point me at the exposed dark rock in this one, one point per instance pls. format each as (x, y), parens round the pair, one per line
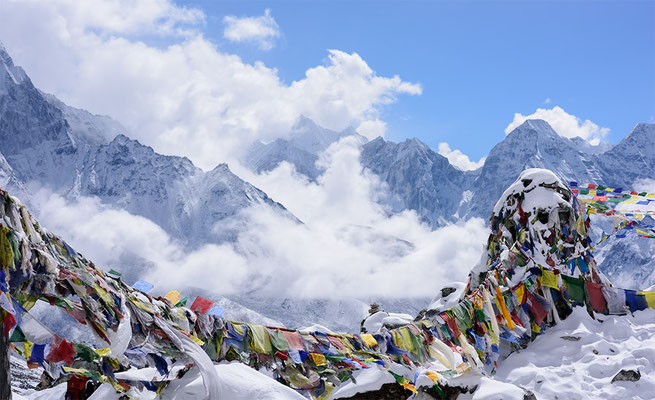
(571, 338)
(627, 375)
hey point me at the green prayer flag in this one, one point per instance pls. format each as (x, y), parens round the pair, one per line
(278, 340)
(85, 352)
(115, 273)
(182, 303)
(17, 336)
(574, 288)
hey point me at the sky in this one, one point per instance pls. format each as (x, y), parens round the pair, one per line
(207, 79)
(477, 62)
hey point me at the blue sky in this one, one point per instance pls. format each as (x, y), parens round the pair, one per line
(478, 63)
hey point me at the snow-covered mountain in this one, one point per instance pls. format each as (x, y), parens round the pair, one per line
(76, 153)
(305, 141)
(418, 178)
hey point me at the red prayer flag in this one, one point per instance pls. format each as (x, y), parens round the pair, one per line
(452, 325)
(294, 340)
(9, 323)
(575, 191)
(596, 298)
(538, 311)
(201, 305)
(60, 350)
(590, 186)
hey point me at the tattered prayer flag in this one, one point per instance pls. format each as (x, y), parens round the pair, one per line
(17, 336)
(182, 303)
(434, 377)
(143, 286)
(548, 278)
(173, 296)
(201, 305)
(5, 303)
(60, 350)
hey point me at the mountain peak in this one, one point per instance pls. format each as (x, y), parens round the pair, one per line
(538, 125)
(11, 71)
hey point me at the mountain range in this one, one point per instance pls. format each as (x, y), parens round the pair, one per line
(46, 143)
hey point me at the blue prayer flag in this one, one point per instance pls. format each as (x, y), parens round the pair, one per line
(143, 286)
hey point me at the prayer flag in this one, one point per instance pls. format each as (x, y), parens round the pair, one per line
(173, 296)
(369, 339)
(548, 278)
(318, 359)
(37, 355)
(294, 340)
(143, 286)
(650, 298)
(596, 299)
(216, 310)
(574, 288)
(637, 302)
(201, 305)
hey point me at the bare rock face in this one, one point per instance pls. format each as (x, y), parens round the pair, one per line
(627, 375)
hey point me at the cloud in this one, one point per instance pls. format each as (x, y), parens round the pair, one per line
(185, 96)
(547, 101)
(348, 246)
(459, 159)
(565, 124)
(372, 129)
(260, 30)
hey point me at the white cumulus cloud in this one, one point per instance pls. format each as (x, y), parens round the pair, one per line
(459, 159)
(262, 30)
(346, 247)
(185, 97)
(565, 124)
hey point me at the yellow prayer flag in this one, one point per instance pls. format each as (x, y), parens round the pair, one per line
(433, 376)
(319, 359)
(174, 297)
(369, 339)
(409, 386)
(548, 278)
(27, 347)
(520, 293)
(103, 352)
(650, 298)
(592, 193)
(503, 309)
(197, 340)
(650, 195)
